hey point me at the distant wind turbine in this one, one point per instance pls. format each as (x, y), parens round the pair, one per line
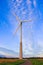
(20, 26)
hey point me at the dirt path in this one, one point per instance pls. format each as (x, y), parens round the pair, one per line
(27, 63)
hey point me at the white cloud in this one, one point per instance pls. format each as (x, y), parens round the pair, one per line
(29, 2)
(23, 12)
(40, 53)
(27, 47)
(34, 3)
(40, 43)
(6, 54)
(12, 0)
(19, 1)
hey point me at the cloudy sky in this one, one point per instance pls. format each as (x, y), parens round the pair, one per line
(32, 32)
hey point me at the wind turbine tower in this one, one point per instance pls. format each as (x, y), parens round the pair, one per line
(20, 26)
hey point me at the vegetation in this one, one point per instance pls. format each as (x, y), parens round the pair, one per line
(36, 61)
(18, 62)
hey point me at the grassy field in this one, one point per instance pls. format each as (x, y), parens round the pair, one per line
(18, 62)
(11, 61)
(36, 61)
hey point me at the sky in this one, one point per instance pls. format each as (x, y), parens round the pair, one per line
(32, 32)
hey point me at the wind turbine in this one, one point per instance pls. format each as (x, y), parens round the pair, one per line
(20, 26)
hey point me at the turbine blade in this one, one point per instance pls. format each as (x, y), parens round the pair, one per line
(17, 29)
(26, 20)
(17, 18)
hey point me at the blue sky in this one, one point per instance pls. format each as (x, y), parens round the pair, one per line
(32, 32)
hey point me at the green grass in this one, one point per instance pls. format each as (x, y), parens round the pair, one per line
(36, 62)
(18, 62)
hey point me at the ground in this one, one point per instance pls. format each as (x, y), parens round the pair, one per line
(27, 63)
(32, 61)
